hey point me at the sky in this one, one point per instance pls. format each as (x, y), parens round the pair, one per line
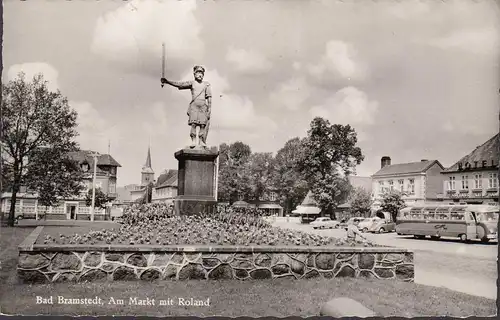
(416, 79)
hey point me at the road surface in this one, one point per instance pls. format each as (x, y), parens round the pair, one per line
(466, 267)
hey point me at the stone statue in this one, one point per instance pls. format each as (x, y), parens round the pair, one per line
(200, 106)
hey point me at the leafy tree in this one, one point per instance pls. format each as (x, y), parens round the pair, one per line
(360, 201)
(392, 202)
(232, 178)
(287, 178)
(53, 179)
(329, 157)
(259, 172)
(100, 200)
(34, 117)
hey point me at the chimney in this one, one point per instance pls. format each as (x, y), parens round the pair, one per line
(385, 161)
(424, 160)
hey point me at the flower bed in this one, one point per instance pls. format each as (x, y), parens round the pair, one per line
(156, 224)
(153, 244)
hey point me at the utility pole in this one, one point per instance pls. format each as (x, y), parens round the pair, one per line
(92, 209)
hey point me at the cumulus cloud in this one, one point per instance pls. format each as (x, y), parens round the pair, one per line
(477, 41)
(31, 69)
(347, 106)
(247, 61)
(291, 94)
(229, 110)
(94, 131)
(132, 35)
(340, 60)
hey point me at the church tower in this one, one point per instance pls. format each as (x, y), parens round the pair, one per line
(147, 173)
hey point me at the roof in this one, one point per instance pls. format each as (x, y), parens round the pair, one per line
(167, 179)
(361, 182)
(488, 151)
(307, 210)
(309, 200)
(270, 206)
(240, 204)
(86, 155)
(148, 159)
(405, 168)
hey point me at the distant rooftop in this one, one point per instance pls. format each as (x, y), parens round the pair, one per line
(405, 168)
(488, 151)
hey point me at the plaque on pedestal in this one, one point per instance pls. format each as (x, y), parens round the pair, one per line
(196, 181)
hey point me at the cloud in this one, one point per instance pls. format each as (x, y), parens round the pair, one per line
(478, 41)
(291, 94)
(347, 106)
(132, 34)
(232, 115)
(30, 69)
(155, 120)
(247, 61)
(94, 131)
(339, 59)
(408, 9)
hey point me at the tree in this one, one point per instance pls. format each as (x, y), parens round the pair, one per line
(360, 201)
(53, 179)
(259, 171)
(287, 178)
(232, 179)
(330, 155)
(34, 117)
(100, 200)
(392, 202)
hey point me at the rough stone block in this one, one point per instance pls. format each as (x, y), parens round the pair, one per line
(222, 272)
(192, 271)
(66, 261)
(345, 307)
(32, 261)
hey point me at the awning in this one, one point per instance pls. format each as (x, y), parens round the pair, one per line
(240, 204)
(307, 210)
(346, 205)
(270, 206)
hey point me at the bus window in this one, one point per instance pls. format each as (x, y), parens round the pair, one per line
(428, 216)
(442, 216)
(457, 216)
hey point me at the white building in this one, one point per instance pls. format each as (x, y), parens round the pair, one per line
(420, 181)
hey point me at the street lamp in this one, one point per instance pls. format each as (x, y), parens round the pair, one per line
(92, 209)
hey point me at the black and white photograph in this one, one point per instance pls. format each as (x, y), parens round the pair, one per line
(228, 158)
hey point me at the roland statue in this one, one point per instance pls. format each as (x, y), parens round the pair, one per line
(200, 106)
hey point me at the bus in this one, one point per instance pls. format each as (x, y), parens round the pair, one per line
(467, 222)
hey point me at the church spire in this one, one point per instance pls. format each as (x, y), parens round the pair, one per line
(148, 158)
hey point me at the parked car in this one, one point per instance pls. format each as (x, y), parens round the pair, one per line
(356, 221)
(366, 224)
(383, 225)
(324, 223)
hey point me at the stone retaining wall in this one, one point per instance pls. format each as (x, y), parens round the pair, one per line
(53, 263)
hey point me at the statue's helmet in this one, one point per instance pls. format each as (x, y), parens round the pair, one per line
(198, 68)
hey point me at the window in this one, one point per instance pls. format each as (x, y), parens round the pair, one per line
(493, 180)
(451, 183)
(113, 170)
(241, 196)
(478, 181)
(465, 182)
(273, 196)
(381, 186)
(401, 185)
(411, 186)
(391, 185)
(112, 187)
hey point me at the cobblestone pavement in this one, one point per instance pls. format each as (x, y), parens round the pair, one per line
(465, 267)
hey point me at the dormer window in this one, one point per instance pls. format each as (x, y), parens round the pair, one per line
(85, 166)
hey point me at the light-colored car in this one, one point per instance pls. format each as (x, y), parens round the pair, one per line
(366, 224)
(324, 223)
(382, 225)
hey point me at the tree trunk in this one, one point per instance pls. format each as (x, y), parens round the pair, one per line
(12, 210)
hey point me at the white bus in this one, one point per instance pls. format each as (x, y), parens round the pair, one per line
(467, 222)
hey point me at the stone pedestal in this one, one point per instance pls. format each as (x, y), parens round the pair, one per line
(196, 181)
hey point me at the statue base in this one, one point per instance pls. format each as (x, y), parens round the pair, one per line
(190, 206)
(196, 181)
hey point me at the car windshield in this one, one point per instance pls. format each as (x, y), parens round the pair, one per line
(487, 216)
